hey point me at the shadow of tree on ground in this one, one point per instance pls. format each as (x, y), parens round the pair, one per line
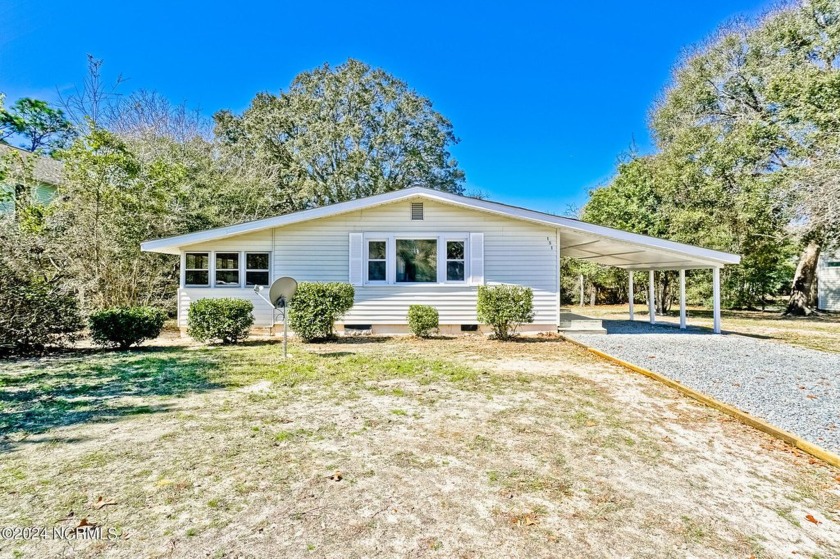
(37, 395)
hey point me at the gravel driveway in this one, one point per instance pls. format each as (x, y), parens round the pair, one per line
(794, 388)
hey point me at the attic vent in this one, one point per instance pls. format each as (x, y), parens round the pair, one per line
(417, 211)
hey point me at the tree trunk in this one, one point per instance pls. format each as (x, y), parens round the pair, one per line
(593, 294)
(803, 300)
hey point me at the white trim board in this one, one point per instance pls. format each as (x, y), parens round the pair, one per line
(694, 256)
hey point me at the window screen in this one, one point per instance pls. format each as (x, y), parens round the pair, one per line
(197, 268)
(227, 269)
(256, 269)
(455, 260)
(377, 260)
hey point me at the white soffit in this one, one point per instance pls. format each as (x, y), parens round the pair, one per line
(578, 239)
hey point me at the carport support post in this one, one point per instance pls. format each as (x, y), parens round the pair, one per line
(716, 298)
(682, 299)
(581, 290)
(630, 293)
(651, 303)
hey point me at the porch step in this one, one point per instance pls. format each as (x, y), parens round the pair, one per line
(570, 323)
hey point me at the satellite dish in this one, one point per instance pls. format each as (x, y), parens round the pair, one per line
(282, 291)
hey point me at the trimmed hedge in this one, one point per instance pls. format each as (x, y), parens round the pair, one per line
(126, 326)
(227, 320)
(504, 308)
(423, 320)
(316, 306)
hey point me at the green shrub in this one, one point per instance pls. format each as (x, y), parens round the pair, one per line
(227, 320)
(505, 307)
(126, 326)
(316, 306)
(36, 315)
(423, 320)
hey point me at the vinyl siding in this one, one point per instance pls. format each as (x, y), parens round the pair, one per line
(41, 194)
(828, 283)
(515, 252)
(252, 242)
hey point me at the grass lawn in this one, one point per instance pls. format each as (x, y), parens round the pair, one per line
(392, 448)
(815, 332)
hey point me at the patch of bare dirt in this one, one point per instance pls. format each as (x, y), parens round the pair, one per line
(553, 454)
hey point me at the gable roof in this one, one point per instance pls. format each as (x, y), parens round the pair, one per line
(46, 170)
(579, 239)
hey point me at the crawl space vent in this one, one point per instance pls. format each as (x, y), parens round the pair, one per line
(417, 211)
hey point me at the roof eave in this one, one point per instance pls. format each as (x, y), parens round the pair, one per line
(702, 256)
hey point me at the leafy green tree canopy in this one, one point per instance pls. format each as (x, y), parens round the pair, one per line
(341, 133)
(41, 126)
(757, 110)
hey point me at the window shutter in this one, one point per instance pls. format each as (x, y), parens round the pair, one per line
(476, 258)
(356, 259)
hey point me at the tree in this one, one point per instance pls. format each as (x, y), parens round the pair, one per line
(686, 198)
(111, 202)
(338, 134)
(41, 126)
(758, 107)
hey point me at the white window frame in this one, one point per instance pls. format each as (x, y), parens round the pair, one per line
(417, 237)
(209, 269)
(239, 257)
(391, 256)
(445, 260)
(365, 266)
(244, 266)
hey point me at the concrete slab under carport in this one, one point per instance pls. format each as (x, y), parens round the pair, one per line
(570, 323)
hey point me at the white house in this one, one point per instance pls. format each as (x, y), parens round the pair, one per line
(828, 282)
(416, 246)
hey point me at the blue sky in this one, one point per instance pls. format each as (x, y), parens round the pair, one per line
(544, 96)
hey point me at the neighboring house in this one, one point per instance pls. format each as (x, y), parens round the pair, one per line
(414, 246)
(46, 173)
(828, 282)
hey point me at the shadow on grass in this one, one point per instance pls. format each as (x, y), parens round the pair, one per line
(357, 340)
(37, 395)
(335, 354)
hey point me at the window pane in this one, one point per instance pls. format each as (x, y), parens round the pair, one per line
(454, 250)
(416, 260)
(256, 261)
(197, 261)
(376, 270)
(376, 250)
(455, 270)
(227, 261)
(196, 278)
(227, 277)
(256, 278)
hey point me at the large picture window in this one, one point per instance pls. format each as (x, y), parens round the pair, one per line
(417, 260)
(197, 268)
(256, 269)
(227, 269)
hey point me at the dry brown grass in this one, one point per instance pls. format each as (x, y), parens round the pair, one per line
(446, 448)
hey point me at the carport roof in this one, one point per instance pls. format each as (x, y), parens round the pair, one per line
(578, 239)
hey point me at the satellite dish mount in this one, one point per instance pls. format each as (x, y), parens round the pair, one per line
(280, 297)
